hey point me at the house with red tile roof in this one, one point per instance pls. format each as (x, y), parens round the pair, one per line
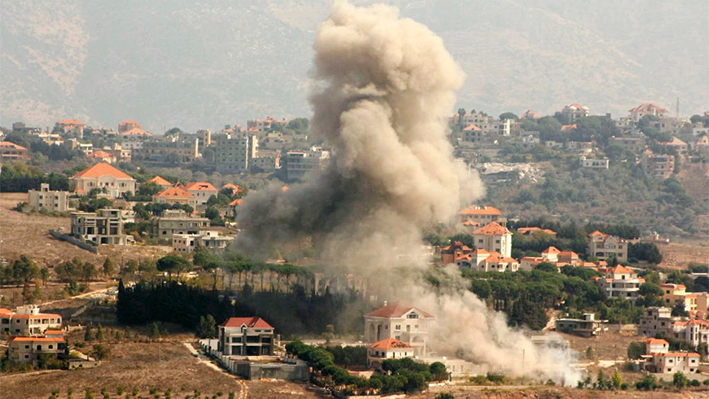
(401, 322)
(70, 126)
(35, 349)
(484, 261)
(160, 182)
(568, 128)
(127, 125)
(175, 195)
(246, 336)
(454, 251)
(102, 156)
(201, 191)
(575, 111)
(604, 246)
(388, 348)
(535, 230)
(672, 362)
(28, 321)
(103, 176)
(481, 214)
(493, 238)
(641, 110)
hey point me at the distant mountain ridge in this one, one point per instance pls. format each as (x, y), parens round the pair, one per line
(205, 64)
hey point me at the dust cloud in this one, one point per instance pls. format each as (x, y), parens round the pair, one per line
(385, 88)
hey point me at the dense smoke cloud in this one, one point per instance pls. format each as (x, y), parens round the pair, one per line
(386, 89)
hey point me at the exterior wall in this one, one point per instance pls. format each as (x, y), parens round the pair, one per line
(603, 248)
(501, 244)
(299, 163)
(413, 331)
(176, 222)
(29, 350)
(56, 201)
(202, 196)
(658, 166)
(375, 356)
(186, 243)
(654, 321)
(106, 227)
(115, 186)
(674, 362)
(246, 341)
(233, 153)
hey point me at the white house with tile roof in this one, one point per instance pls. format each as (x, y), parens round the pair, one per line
(401, 322)
(103, 176)
(388, 348)
(493, 238)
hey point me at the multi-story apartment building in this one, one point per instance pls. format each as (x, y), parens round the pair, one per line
(300, 163)
(493, 238)
(402, 322)
(52, 200)
(264, 125)
(604, 246)
(635, 144)
(28, 321)
(33, 349)
(105, 226)
(587, 326)
(70, 127)
(621, 282)
(175, 222)
(575, 111)
(657, 165)
(233, 152)
(655, 320)
(103, 176)
(168, 151)
(201, 191)
(246, 336)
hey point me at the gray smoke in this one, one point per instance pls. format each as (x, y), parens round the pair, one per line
(386, 88)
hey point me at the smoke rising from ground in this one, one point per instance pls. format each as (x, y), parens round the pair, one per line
(386, 88)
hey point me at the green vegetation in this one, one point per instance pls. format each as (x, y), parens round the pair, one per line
(19, 177)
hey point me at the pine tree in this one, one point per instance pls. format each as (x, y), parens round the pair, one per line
(109, 269)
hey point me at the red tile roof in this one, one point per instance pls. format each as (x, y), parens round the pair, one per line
(99, 154)
(471, 127)
(235, 202)
(200, 186)
(70, 122)
(136, 132)
(532, 230)
(390, 343)
(477, 210)
(621, 269)
(551, 250)
(35, 339)
(102, 169)
(174, 192)
(656, 341)
(492, 228)
(471, 223)
(159, 181)
(10, 144)
(251, 322)
(568, 128)
(677, 354)
(647, 107)
(396, 309)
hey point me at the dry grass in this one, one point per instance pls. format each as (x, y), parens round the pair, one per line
(166, 365)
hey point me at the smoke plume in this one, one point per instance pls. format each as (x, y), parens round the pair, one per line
(385, 90)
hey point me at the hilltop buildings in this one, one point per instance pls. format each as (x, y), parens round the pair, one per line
(246, 336)
(104, 226)
(401, 322)
(603, 246)
(33, 337)
(50, 200)
(103, 177)
(12, 152)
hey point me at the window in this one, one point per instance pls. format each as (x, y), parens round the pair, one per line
(397, 327)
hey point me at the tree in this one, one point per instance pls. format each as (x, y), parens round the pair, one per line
(546, 267)
(695, 118)
(25, 270)
(589, 353)
(109, 269)
(207, 327)
(679, 309)
(508, 115)
(154, 331)
(651, 290)
(148, 189)
(173, 264)
(99, 333)
(445, 395)
(616, 379)
(635, 350)
(88, 334)
(438, 371)
(101, 351)
(461, 115)
(44, 274)
(679, 380)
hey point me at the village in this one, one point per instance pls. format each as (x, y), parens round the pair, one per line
(562, 283)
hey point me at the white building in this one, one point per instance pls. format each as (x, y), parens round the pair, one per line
(621, 282)
(211, 240)
(246, 336)
(493, 238)
(201, 191)
(603, 246)
(300, 163)
(593, 163)
(401, 322)
(388, 348)
(28, 321)
(103, 176)
(484, 261)
(51, 200)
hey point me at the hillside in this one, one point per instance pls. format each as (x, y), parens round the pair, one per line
(203, 65)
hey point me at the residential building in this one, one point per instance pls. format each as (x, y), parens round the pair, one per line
(246, 336)
(679, 147)
(694, 331)
(266, 161)
(233, 208)
(128, 125)
(388, 348)
(168, 151)
(103, 176)
(10, 151)
(201, 191)
(274, 141)
(530, 115)
(300, 163)
(656, 345)
(35, 349)
(454, 251)
(51, 200)
(105, 226)
(211, 240)
(233, 152)
(20, 127)
(175, 195)
(101, 156)
(568, 128)
(657, 165)
(472, 133)
(484, 261)
(655, 320)
(568, 257)
(593, 163)
(672, 362)
(581, 147)
(160, 182)
(264, 125)
(575, 111)
(604, 246)
(641, 110)
(634, 144)
(176, 222)
(493, 238)
(587, 326)
(402, 322)
(481, 214)
(621, 282)
(28, 321)
(70, 127)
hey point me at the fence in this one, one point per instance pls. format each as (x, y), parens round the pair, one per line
(291, 371)
(70, 239)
